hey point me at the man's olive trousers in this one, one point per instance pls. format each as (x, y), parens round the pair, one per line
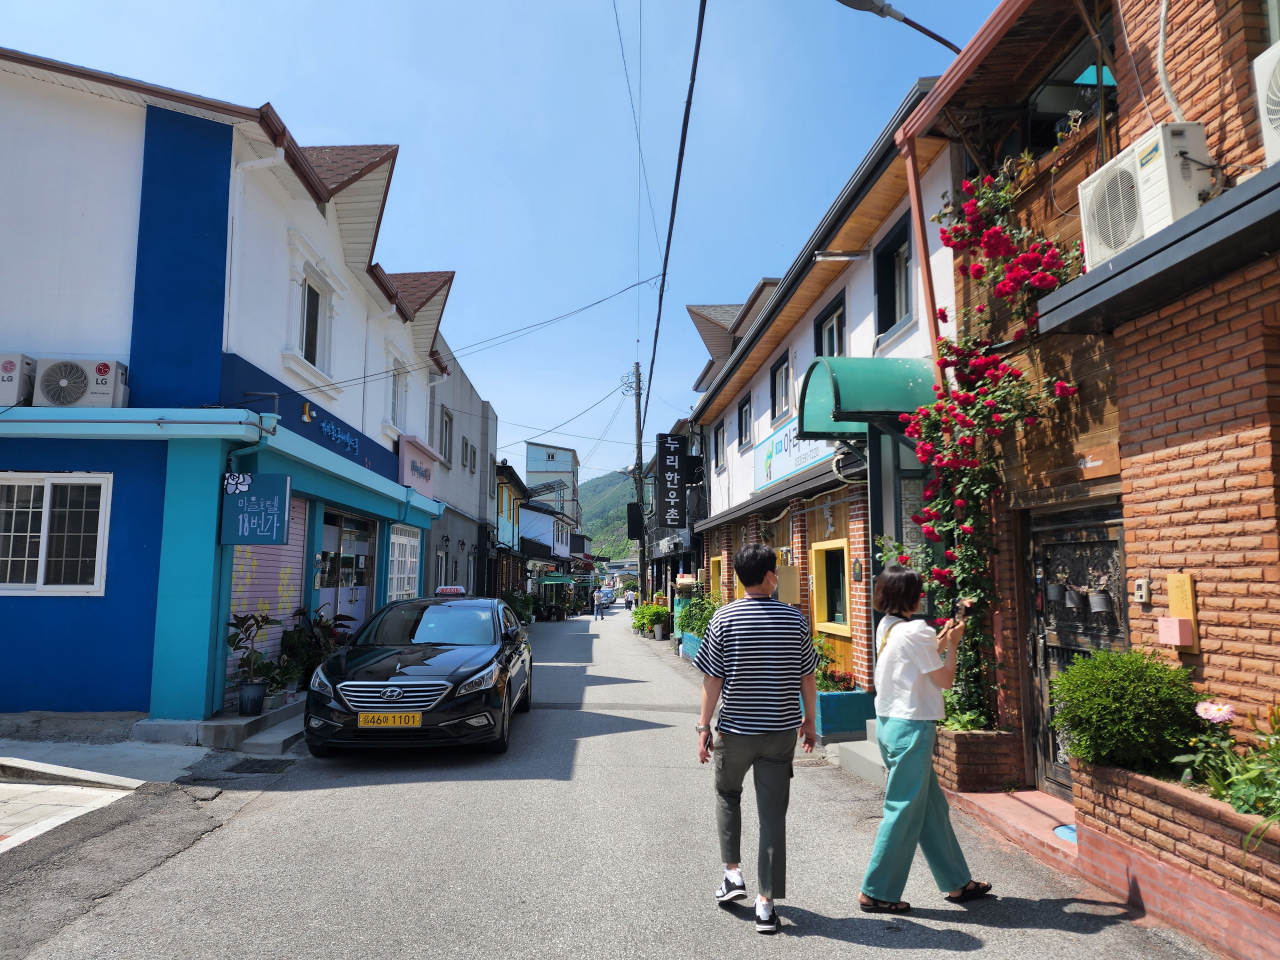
(768, 756)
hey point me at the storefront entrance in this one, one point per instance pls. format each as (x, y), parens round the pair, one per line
(1079, 605)
(347, 559)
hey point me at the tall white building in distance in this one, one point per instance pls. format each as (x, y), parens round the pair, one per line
(544, 463)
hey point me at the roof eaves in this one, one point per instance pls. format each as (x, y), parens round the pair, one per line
(280, 136)
(868, 172)
(390, 291)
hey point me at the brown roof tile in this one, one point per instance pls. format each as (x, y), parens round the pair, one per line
(418, 288)
(340, 166)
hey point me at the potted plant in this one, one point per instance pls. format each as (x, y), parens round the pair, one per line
(843, 708)
(309, 643)
(243, 639)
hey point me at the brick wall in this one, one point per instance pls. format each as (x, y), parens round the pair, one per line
(977, 761)
(860, 635)
(1198, 837)
(1210, 46)
(800, 548)
(1199, 393)
(726, 563)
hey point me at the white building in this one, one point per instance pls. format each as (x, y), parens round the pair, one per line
(544, 463)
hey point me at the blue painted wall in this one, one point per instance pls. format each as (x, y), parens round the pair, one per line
(90, 653)
(240, 377)
(178, 299)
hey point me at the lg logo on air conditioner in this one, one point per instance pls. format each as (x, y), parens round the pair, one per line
(7, 369)
(102, 370)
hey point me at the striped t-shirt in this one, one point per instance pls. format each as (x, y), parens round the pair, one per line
(761, 648)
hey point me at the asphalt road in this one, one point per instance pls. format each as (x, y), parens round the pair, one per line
(593, 837)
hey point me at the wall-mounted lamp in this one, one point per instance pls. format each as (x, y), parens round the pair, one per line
(462, 544)
(445, 540)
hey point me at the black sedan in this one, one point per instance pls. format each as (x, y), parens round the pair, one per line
(424, 673)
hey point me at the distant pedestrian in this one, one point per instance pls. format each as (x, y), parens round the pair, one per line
(598, 599)
(629, 597)
(758, 660)
(910, 677)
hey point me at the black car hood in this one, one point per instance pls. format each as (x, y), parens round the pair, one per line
(420, 660)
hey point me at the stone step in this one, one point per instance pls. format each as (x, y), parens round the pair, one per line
(275, 740)
(224, 733)
(863, 758)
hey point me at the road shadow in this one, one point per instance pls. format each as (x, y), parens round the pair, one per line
(904, 931)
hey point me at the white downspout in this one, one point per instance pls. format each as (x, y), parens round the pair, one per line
(233, 289)
(369, 321)
(1164, 76)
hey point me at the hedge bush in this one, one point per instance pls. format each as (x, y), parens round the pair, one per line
(1132, 710)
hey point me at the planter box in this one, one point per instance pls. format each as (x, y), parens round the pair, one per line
(844, 712)
(978, 761)
(689, 644)
(1178, 853)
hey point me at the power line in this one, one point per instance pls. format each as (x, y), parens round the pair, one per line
(635, 120)
(675, 195)
(570, 420)
(608, 426)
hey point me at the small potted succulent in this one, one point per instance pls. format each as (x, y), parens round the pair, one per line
(243, 640)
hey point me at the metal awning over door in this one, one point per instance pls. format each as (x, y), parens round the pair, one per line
(841, 395)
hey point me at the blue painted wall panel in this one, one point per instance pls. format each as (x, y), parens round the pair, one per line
(240, 377)
(90, 653)
(178, 300)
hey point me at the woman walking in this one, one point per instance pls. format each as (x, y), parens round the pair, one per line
(910, 677)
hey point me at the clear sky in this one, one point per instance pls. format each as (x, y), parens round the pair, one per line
(518, 164)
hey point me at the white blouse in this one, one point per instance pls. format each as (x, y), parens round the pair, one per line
(902, 688)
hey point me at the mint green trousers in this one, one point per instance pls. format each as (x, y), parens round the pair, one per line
(915, 813)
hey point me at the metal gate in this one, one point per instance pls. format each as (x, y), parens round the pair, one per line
(1079, 605)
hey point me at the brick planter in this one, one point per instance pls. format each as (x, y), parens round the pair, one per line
(1178, 854)
(977, 761)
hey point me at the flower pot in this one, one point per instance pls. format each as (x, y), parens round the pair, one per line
(251, 697)
(1099, 601)
(1075, 599)
(844, 711)
(1054, 592)
(657, 631)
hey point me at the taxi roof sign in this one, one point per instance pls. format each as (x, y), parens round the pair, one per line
(451, 591)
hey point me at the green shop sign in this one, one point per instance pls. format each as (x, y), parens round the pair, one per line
(255, 508)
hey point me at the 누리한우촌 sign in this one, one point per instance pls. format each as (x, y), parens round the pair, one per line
(669, 480)
(255, 508)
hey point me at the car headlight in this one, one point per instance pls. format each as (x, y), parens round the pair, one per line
(320, 684)
(483, 680)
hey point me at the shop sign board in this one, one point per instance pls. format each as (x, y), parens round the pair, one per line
(417, 465)
(782, 454)
(672, 451)
(255, 508)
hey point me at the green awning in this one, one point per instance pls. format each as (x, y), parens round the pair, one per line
(555, 578)
(841, 395)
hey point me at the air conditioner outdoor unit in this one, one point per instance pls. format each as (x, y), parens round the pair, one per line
(1266, 82)
(17, 379)
(81, 383)
(1144, 188)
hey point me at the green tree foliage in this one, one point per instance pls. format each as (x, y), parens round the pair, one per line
(604, 513)
(1131, 710)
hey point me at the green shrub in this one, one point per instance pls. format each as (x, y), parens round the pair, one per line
(958, 718)
(1131, 710)
(645, 615)
(697, 614)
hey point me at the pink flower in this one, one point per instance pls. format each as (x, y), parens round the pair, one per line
(988, 181)
(976, 271)
(1215, 712)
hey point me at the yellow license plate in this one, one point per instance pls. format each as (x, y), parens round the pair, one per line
(390, 719)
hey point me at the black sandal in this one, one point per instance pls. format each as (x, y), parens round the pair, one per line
(884, 906)
(973, 890)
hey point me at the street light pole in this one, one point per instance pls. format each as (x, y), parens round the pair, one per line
(885, 10)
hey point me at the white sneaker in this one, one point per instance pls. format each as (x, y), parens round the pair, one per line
(766, 917)
(731, 889)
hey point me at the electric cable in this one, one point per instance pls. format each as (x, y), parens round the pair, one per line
(1134, 63)
(675, 196)
(570, 420)
(635, 120)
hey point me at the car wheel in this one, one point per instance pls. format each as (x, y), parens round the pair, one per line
(526, 698)
(322, 750)
(504, 734)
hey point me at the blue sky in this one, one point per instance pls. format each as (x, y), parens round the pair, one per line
(517, 163)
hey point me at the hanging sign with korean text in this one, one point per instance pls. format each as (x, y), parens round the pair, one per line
(672, 450)
(255, 508)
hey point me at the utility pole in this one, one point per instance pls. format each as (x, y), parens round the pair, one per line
(642, 566)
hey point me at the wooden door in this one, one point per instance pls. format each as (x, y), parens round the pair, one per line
(1079, 600)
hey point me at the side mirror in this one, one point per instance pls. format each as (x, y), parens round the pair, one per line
(511, 634)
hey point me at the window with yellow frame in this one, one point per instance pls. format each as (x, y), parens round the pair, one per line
(828, 565)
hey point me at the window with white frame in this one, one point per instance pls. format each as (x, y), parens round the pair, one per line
(744, 422)
(446, 435)
(399, 394)
(717, 445)
(464, 453)
(780, 388)
(53, 532)
(402, 576)
(313, 324)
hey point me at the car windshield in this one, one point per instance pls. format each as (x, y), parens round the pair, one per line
(440, 623)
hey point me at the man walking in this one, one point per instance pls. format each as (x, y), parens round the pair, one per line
(629, 597)
(758, 660)
(598, 599)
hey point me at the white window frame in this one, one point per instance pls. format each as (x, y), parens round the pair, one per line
(99, 585)
(746, 425)
(402, 573)
(446, 435)
(718, 446)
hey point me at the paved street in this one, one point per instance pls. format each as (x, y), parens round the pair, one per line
(593, 837)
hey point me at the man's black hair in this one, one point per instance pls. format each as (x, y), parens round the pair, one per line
(752, 562)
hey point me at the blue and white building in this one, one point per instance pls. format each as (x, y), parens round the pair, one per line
(219, 281)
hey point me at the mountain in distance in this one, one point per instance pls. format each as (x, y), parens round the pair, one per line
(604, 513)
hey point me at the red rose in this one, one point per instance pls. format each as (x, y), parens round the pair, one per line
(966, 186)
(962, 504)
(1031, 421)
(988, 181)
(904, 560)
(965, 528)
(1043, 281)
(950, 555)
(976, 271)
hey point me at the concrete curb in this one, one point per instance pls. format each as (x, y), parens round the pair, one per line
(15, 770)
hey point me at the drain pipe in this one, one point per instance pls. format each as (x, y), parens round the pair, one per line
(267, 424)
(233, 275)
(1164, 75)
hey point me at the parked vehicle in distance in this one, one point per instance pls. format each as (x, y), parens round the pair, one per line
(424, 672)
(607, 596)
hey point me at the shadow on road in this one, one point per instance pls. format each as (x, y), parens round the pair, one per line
(1070, 915)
